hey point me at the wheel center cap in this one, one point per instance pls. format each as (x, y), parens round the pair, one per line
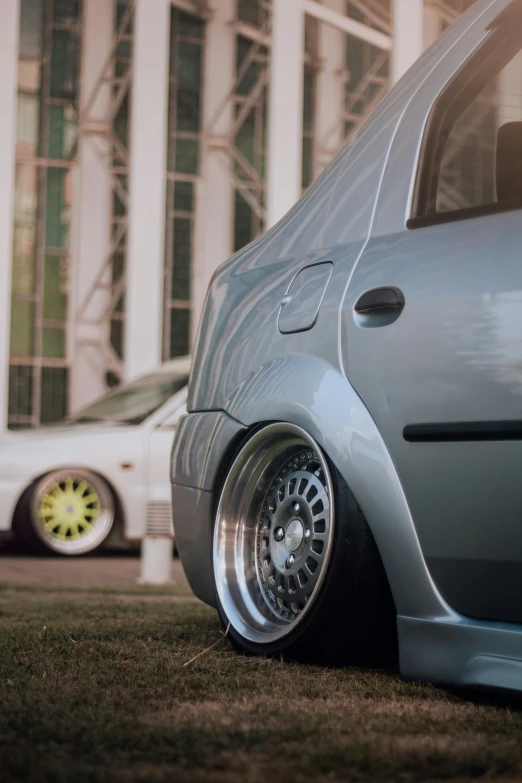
(69, 509)
(294, 535)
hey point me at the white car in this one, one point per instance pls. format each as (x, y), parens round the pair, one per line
(103, 475)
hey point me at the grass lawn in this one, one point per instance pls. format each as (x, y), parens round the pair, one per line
(93, 688)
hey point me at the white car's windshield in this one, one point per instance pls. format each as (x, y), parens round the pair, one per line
(133, 403)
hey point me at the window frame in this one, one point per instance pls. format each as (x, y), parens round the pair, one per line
(499, 48)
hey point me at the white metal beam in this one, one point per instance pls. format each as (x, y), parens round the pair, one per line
(148, 149)
(9, 36)
(347, 25)
(285, 114)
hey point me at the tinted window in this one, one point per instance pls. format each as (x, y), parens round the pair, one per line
(133, 403)
(472, 159)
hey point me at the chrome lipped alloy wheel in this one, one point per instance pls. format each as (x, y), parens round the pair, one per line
(273, 534)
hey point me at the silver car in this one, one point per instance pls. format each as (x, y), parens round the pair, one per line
(348, 480)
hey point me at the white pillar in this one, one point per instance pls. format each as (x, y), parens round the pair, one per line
(329, 133)
(432, 25)
(9, 36)
(285, 113)
(408, 35)
(509, 92)
(148, 149)
(214, 227)
(90, 223)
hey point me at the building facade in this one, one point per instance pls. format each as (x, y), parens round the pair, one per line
(143, 142)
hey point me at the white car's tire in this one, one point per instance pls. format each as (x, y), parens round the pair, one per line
(68, 512)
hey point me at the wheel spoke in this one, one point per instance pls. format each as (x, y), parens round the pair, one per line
(81, 487)
(90, 503)
(293, 575)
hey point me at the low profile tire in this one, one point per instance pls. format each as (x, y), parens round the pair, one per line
(68, 512)
(296, 570)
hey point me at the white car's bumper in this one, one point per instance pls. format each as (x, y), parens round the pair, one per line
(11, 489)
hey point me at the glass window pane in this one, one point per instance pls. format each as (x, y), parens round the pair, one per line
(469, 165)
(134, 402)
(53, 343)
(66, 11)
(184, 196)
(22, 322)
(55, 296)
(58, 182)
(187, 156)
(243, 230)
(182, 258)
(54, 394)
(309, 101)
(26, 185)
(27, 125)
(62, 128)
(121, 7)
(179, 332)
(64, 65)
(31, 29)
(117, 336)
(190, 26)
(24, 238)
(20, 390)
(118, 267)
(308, 151)
(245, 137)
(189, 81)
(244, 45)
(251, 11)
(121, 123)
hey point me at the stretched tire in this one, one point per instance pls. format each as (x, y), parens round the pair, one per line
(68, 512)
(296, 570)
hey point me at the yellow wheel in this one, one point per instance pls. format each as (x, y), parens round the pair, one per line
(71, 511)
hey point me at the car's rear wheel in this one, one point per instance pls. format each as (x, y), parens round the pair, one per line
(296, 569)
(69, 512)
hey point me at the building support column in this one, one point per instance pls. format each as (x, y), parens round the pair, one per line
(90, 223)
(147, 188)
(408, 35)
(9, 37)
(331, 80)
(215, 196)
(432, 25)
(285, 113)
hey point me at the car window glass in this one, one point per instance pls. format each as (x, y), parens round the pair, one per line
(133, 403)
(467, 175)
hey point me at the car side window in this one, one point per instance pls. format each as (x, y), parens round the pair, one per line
(472, 155)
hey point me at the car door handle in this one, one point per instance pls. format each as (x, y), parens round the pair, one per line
(381, 301)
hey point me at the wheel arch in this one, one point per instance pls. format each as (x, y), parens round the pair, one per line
(316, 396)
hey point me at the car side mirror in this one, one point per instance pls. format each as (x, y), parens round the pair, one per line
(509, 163)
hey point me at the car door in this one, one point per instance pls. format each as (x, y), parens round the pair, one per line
(432, 319)
(159, 514)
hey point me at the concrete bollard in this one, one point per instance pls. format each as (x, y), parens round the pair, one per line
(157, 545)
(156, 560)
